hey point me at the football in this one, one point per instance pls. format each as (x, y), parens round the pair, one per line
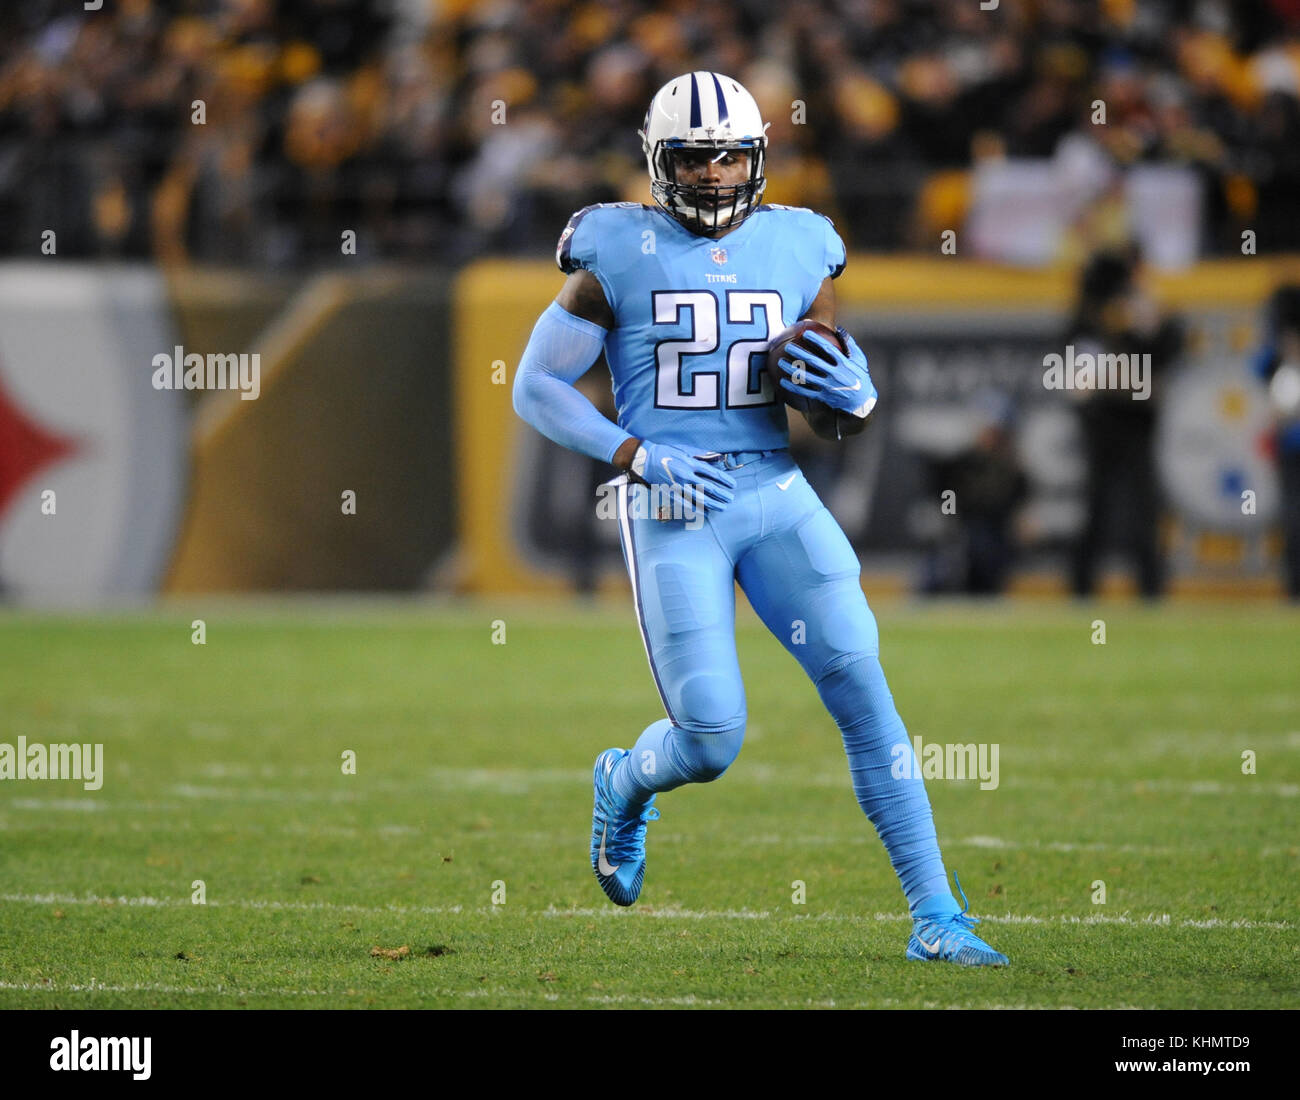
(826, 422)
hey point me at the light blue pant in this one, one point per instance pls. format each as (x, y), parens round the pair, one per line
(801, 576)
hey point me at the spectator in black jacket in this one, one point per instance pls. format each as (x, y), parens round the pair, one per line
(1114, 315)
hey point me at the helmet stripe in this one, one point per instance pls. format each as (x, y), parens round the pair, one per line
(695, 103)
(723, 116)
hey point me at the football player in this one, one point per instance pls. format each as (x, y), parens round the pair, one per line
(684, 297)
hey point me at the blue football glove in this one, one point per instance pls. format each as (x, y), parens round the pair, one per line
(697, 484)
(824, 373)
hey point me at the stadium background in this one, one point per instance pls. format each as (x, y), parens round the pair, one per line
(312, 797)
(368, 195)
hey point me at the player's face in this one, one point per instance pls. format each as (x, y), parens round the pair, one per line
(712, 167)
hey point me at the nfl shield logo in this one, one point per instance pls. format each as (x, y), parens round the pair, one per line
(718, 256)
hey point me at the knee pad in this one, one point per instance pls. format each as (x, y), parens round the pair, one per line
(710, 702)
(705, 756)
(710, 725)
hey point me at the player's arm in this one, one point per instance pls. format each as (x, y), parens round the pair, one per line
(565, 342)
(583, 296)
(823, 306)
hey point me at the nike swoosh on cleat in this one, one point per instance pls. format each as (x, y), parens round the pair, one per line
(602, 864)
(784, 485)
(930, 948)
(857, 385)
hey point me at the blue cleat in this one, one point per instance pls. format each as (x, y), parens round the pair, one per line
(950, 939)
(618, 835)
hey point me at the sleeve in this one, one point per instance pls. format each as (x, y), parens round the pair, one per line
(836, 256)
(577, 249)
(561, 350)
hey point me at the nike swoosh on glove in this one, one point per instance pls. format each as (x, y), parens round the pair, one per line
(824, 373)
(697, 483)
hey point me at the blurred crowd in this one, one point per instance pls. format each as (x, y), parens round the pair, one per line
(256, 130)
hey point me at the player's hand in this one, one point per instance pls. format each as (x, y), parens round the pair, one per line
(697, 483)
(824, 373)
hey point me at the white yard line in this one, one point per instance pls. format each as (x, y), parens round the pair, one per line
(668, 912)
(1247, 787)
(523, 781)
(1158, 920)
(998, 842)
(689, 1000)
(236, 903)
(149, 987)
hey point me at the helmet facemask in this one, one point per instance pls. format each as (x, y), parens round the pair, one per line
(688, 202)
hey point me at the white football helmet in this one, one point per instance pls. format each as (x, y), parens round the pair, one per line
(703, 110)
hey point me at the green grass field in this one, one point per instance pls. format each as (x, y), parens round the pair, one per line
(222, 763)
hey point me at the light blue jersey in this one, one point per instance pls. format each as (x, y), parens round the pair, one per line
(694, 315)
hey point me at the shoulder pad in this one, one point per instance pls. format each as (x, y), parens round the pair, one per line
(569, 258)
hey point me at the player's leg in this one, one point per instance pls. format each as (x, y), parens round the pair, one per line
(1144, 518)
(1091, 540)
(683, 589)
(684, 594)
(802, 580)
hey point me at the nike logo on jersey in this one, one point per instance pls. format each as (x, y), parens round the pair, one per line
(603, 865)
(784, 485)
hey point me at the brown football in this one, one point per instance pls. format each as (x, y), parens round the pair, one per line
(826, 422)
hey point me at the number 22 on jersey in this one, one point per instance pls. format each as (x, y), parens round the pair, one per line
(746, 383)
